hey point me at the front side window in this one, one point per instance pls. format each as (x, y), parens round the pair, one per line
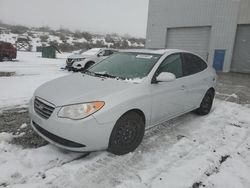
(192, 64)
(172, 64)
(107, 53)
(111, 52)
(126, 65)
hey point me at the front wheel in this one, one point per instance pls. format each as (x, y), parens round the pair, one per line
(127, 134)
(206, 103)
(9, 58)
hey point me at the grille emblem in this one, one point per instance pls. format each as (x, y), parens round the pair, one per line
(41, 106)
(42, 109)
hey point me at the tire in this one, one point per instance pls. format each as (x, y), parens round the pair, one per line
(1, 58)
(206, 103)
(127, 134)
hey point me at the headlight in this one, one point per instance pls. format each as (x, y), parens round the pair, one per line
(80, 111)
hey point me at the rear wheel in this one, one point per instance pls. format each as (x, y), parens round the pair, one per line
(127, 134)
(206, 103)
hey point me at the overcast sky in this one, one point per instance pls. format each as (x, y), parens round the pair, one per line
(100, 16)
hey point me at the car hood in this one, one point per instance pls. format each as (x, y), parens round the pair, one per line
(78, 88)
(78, 56)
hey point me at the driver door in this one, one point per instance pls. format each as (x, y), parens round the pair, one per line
(168, 98)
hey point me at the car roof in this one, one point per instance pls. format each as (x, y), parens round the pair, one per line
(154, 51)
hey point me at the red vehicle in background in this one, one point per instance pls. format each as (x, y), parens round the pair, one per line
(7, 51)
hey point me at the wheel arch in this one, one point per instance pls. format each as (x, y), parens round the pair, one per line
(139, 112)
(121, 151)
(211, 89)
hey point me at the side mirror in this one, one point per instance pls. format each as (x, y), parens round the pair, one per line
(101, 54)
(165, 77)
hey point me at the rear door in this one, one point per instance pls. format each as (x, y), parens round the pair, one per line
(196, 80)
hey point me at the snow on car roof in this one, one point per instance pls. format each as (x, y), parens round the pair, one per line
(91, 51)
(152, 51)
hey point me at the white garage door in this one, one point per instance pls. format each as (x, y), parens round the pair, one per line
(241, 55)
(194, 39)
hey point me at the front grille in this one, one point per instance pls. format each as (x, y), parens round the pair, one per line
(57, 139)
(70, 62)
(43, 109)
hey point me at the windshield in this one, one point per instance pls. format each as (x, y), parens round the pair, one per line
(126, 65)
(92, 51)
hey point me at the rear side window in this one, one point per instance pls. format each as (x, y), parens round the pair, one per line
(106, 53)
(172, 64)
(192, 64)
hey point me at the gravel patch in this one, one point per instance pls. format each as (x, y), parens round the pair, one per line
(17, 122)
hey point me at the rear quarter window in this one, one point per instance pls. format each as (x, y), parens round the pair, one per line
(192, 64)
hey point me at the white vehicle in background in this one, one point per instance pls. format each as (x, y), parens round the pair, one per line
(79, 62)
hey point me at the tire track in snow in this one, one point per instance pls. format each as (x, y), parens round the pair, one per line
(123, 165)
(29, 166)
(215, 168)
(213, 165)
(112, 170)
(108, 162)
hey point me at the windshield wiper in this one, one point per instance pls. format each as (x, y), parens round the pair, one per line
(104, 75)
(100, 74)
(87, 72)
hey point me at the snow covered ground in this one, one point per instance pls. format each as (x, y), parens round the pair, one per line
(189, 151)
(31, 71)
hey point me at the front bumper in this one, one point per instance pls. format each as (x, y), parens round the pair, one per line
(68, 67)
(69, 64)
(74, 69)
(75, 135)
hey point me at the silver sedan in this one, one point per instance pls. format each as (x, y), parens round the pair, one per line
(110, 105)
